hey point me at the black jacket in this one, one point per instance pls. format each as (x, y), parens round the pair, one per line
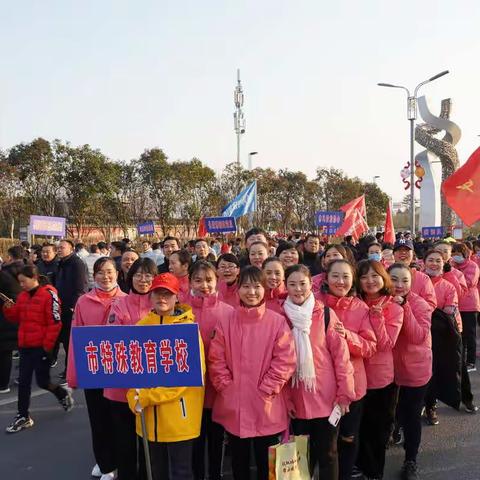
(49, 269)
(312, 261)
(10, 287)
(71, 282)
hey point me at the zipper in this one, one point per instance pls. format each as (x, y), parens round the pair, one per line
(155, 422)
(161, 320)
(183, 407)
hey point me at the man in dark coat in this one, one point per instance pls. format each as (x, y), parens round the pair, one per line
(10, 287)
(311, 253)
(48, 265)
(71, 283)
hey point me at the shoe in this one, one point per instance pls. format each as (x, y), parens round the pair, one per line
(397, 436)
(53, 364)
(67, 401)
(409, 470)
(19, 424)
(431, 416)
(471, 367)
(109, 476)
(357, 473)
(470, 407)
(96, 472)
(5, 390)
(15, 355)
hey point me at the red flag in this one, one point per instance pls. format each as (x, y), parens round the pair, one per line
(355, 204)
(389, 230)
(202, 229)
(462, 190)
(353, 225)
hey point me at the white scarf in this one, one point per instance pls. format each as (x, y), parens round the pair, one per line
(301, 318)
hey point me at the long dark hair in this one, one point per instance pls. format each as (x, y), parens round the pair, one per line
(146, 265)
(31, 271)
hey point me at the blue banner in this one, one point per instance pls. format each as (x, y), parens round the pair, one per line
(330, 220)
(138, 356)
(220, 224)
(146, 228)
(245, 202)
(433, 232)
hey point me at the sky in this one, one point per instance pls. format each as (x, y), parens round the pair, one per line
(123, 76)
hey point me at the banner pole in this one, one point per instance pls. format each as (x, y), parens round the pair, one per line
(146, 449)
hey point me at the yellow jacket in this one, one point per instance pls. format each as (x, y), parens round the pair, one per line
(172, 414)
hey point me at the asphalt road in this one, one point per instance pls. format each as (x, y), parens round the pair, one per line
(58, 446)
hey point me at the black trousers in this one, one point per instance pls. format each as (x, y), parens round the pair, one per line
(125, 440)
(102, 429)
(64, 336)
(469, 335)
(240, 449)
(375, 428)
(169, 461)
(322, 445)
(348, 439)
(409, 414)
(5, 368)
(34, 360)
(211, 435)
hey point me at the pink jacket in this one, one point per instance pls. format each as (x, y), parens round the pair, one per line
(387, 326)
(251, 358)
(412, 354)
(333, 371)
(208, 311)
(228, 293)
(184, 289)
(355, 316)
(274, 298)
(446, 296)
(91, 309)
(457, 279)
(421, 285)
(317, 282)
(469, 302)
(126, 311)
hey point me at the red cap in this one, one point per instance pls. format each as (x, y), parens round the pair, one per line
(167, 281)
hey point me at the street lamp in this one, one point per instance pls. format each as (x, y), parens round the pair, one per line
(412, 115)
(375, 179)
(250, 155)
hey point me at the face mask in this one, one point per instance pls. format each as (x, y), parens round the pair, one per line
(458, 259)
(374, 256)
(432, 273)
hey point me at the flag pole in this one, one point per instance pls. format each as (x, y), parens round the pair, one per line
(146, 448)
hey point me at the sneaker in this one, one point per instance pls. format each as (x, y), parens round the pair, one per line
(431, 416)
(5, 390)
(397, 436)
(471, 367)
(19, 424)
(470, 407)
(356, 473)
(15, 355)
(96, 472)
(109, 476)
(409, 470)
(53, 364)
(67, 401)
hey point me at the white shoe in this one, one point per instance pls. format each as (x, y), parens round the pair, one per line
(109, 476)
(5, 390)
(96, 472)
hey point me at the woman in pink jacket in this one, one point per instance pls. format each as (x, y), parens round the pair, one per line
(228, 268)
(375, 288)
(275, 293)
(412, 356)
(468, 304)
(251, 358)
(93, 308)
(355, 326)
(208, 311)
(323, 380)
(129, 310)
(179, 264)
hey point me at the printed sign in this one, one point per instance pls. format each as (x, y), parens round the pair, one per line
(433, 232)
(329, 220)
(220, 224)
(146, 228)
(50, 226)
(138, 356)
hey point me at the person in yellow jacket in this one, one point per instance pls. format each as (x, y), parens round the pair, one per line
(173, 415)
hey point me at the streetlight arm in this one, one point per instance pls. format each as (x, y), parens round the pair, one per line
(431, 79)
(394, 86)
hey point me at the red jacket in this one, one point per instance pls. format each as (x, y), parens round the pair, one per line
(38, 315)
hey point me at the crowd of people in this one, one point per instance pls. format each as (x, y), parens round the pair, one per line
(293, 330)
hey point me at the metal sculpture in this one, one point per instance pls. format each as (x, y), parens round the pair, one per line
(442, 148)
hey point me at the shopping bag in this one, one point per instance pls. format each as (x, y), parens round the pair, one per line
(289, 460)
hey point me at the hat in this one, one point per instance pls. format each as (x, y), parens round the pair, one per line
(402, 242)
(167, 281)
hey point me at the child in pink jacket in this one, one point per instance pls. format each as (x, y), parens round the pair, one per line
(208, 311)
(324, 375)
(412, 357)
(356, 328)
(375, 288)
(251, 358)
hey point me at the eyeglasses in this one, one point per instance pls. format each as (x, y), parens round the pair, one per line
(143, 276)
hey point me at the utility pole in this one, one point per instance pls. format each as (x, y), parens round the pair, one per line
(238, 117)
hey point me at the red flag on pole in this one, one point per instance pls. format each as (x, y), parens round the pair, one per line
(354, 225)
(355, 204)
(202, 229)
(462, 190)
(389, 230)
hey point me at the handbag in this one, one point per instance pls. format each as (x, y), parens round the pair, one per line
(288, 460)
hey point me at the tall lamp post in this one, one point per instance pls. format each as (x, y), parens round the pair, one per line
(250, 155)
(412, 116)
(238, 117)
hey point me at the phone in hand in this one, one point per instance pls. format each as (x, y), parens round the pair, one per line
(335, 416)
(5, 298)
